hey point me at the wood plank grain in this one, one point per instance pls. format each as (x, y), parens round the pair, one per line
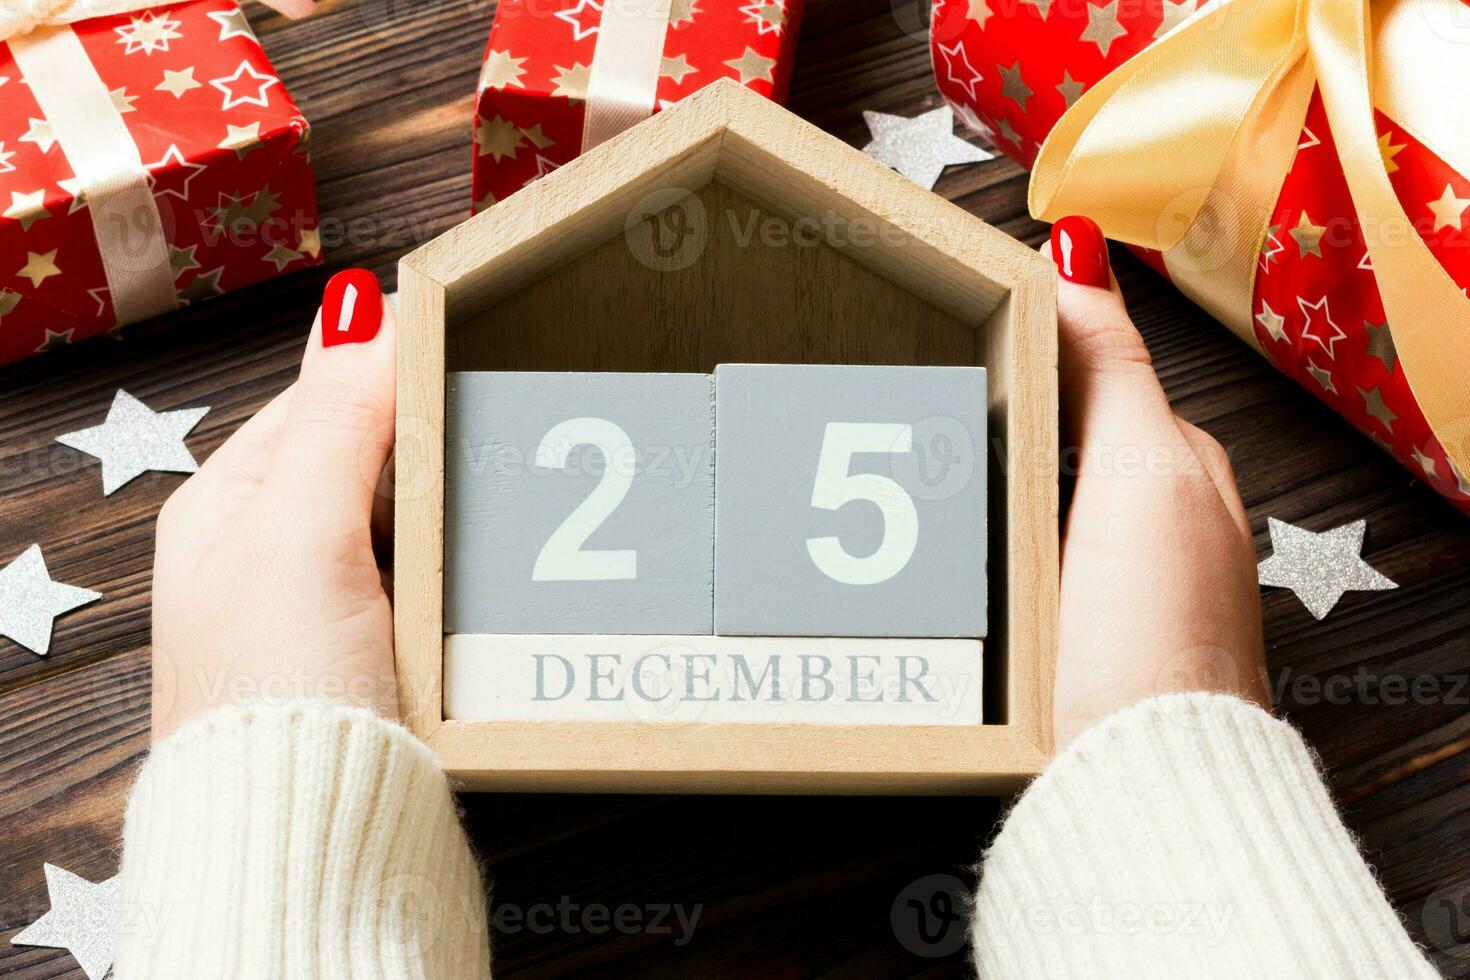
(789, 887)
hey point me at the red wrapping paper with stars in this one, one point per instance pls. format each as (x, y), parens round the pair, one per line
(226, 153)
(533, 81)
(1013, 67)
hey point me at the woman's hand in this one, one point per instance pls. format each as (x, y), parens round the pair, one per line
(1159, 589)
(265, 581)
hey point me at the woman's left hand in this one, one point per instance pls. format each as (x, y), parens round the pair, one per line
(266, 582)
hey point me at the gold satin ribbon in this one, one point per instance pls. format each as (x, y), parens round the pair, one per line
(625, 64)
(92, 135)
(1184, 147)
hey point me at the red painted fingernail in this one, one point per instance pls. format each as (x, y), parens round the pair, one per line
(1080, 251)
(352, 308)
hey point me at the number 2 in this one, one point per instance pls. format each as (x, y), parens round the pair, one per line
(562, 559)
(835, 486)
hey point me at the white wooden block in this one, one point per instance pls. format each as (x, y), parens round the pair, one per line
(850, 501)
(578, 503)
(712, 679)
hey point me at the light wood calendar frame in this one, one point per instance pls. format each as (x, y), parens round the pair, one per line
(925, 282)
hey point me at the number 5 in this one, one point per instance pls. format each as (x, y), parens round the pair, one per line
(835, 486)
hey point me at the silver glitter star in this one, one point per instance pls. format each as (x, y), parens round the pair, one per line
(919, 148)
(1319, 567)
(82, 920)
(30, 601)
(135, 439)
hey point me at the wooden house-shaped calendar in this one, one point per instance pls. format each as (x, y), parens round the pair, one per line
(722, 235)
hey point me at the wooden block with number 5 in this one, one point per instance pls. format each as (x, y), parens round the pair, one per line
(578, 503)
(850, 501)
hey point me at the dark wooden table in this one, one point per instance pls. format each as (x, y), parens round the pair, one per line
(784, 887)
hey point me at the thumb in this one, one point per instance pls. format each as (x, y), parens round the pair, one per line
(339, 426)
(1111, 394)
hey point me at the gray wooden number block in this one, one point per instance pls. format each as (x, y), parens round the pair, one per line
(850, 501)
(578, 503)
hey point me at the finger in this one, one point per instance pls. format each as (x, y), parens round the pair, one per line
(1216, 462)
(245, 457)
(338, 428)
(1111, 395)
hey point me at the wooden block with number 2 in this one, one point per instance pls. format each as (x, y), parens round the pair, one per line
(578, 503)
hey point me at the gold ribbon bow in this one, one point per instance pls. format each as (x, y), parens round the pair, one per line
(1184, 148)
(92, 135)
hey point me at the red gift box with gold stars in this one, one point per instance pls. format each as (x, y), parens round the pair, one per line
(1301, 170)
(148, 160)
(560, 76)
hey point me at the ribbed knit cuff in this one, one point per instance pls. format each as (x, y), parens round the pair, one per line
(301, 840)
(1189, 835)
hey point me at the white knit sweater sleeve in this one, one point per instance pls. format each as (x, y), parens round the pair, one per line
(1190, 835)
(305, 840)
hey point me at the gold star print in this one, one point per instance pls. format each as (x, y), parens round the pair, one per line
(676, 68)
(1176, 12)
(39, 267)
(176, 83)
(480, 204)
(1007, 131)
(1425, 463)
(148, 33)
(979, 11)
(1069, 88)
(1380, 344)
(1373, 402)
(311, 242)
(73, 186)
(1043, 7)
(1322, 376)
(753, 67)
(1308, 236)
(55, 339)
(281, 256)
(241, 139)
(1103, 27)
(9, 300)
(1388, 151)
(682, 12)
(498, 137)
(769, 16)
(1449, 210)
(1012, 86)
(40, 134)
(537, 138)
(232, 23)
(27, 208)
(572, 82)
(501, 69)
(1273, 322)
(205, 285)
(122, 101)
(181, 260)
